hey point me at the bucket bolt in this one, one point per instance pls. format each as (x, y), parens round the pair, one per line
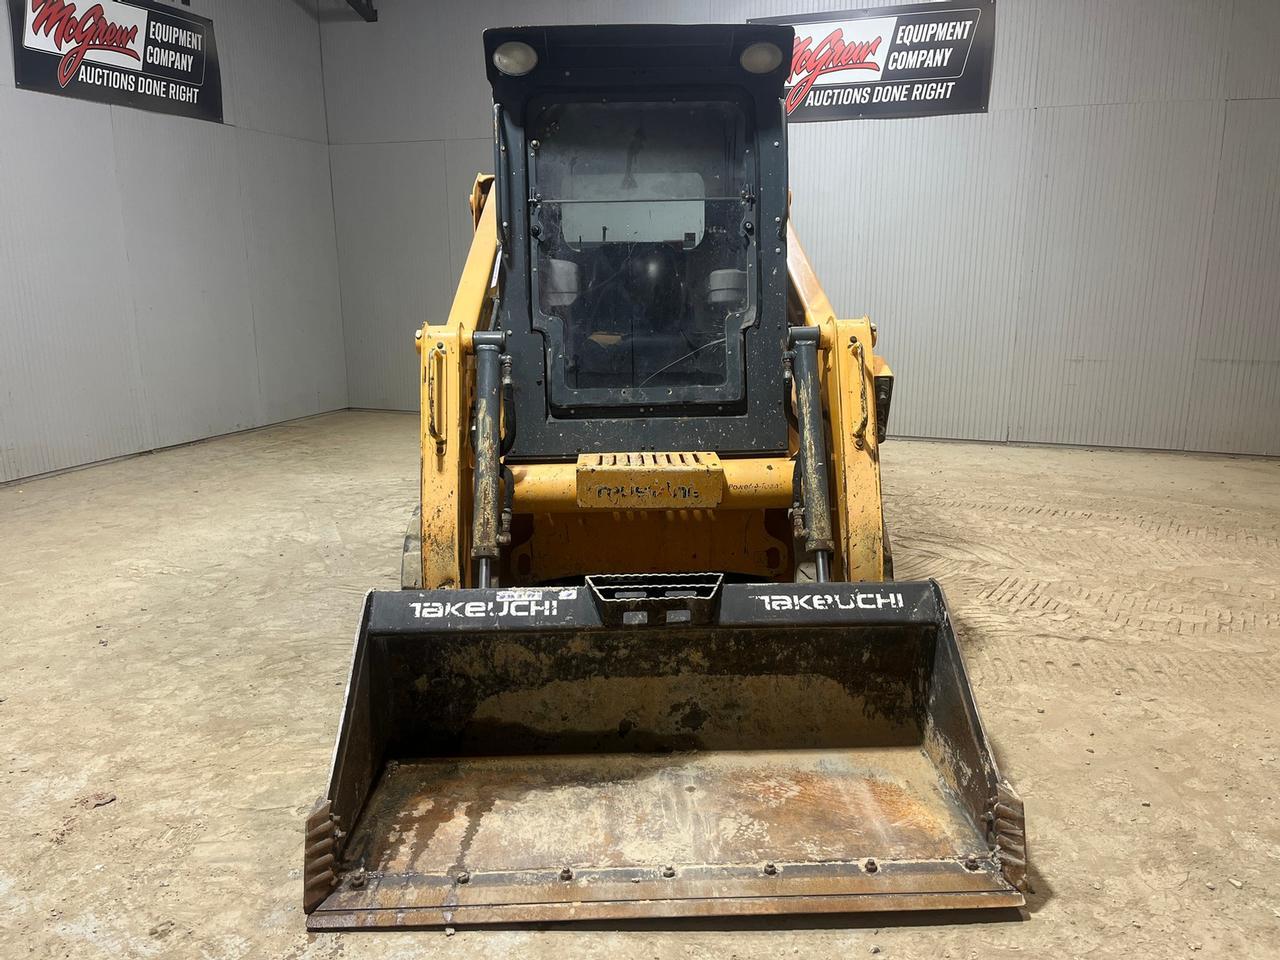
(463, 877)
(872, 866)
(771, 869)
(668, 871)
(566, 874)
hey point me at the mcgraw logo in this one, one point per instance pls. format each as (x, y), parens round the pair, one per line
(76, 35)
(832, 55)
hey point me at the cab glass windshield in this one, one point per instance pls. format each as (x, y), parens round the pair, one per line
(640, 225)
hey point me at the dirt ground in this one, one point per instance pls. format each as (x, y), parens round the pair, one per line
(175, 632)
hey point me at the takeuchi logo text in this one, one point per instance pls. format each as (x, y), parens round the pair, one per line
(832, 55)
(76, 34)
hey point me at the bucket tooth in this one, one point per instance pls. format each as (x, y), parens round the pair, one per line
(318, 874)
(1011, 836)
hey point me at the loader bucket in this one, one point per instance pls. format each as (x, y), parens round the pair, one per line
(658, 747)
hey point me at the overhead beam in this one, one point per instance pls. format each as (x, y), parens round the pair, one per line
(365, 9)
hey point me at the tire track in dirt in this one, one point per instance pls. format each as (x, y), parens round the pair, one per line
(1040, 660)
(1156, 527)
(1043, 593)
(1187, 613)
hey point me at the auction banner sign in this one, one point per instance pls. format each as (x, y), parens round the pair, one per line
(136, 53)
(916, 60)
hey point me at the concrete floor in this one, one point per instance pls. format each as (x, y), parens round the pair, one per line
(175, 632)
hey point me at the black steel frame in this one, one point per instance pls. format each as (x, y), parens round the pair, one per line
(671, 61)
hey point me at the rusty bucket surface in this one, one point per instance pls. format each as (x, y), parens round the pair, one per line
(525, 756)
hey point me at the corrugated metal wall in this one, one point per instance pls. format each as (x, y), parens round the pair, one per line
(164, 279)
(1095, 261)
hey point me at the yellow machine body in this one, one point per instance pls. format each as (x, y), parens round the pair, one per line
(630, 673)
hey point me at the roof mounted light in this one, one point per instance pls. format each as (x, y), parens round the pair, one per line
(515, 58)
(760, 58)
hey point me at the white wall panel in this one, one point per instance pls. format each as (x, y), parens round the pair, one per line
(463, 160)
(920, 226)
(272, 78)
(164, 279)
(737, 11)
(1104, 51)
(1234, 402)
(391, 209)
(1253, 63)
(293, 275)
(69, 377)
(6, 51)
(185, 233)
(1111, 293)
(391, 80)
(629, 11)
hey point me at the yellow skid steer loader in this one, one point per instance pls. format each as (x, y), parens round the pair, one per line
(650, 660)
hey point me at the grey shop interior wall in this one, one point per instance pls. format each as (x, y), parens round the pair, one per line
(165, 279)
(1094, 261)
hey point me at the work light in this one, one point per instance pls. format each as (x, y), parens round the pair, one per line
(515, 58)
(757, 58)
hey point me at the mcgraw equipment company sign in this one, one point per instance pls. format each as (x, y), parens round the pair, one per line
(916, 60)
(136, 53)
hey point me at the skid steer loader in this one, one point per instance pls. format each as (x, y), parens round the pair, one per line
(650, 660)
